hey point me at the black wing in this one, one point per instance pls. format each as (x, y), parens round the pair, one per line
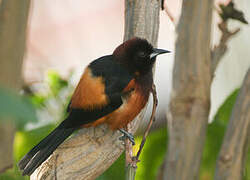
(116, 78)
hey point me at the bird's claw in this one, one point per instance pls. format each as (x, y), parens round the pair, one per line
(131, 139)
(127, 135)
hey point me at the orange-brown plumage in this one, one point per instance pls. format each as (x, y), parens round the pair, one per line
(134, 100)
(131, 107)
(113, 89)
(90, 92)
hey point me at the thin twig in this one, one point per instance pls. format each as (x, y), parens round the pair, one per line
(131, 162)
(226, 11)
(131, 171)
(220, 49)
(155, 103)
(128, 148)
(171, 17)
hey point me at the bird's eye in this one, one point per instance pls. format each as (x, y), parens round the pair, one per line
(142, 54)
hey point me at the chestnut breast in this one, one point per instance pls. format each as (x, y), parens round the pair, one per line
(134, 100)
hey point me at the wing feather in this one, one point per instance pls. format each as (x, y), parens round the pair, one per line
(99, 91)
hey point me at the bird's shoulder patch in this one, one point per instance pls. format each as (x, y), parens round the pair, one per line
(90, 92)
(101, 82)
(116, 77)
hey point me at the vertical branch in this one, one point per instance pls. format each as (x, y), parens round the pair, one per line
(189, 106)
(130, 164)
(141, 20)
(231, 160)
(13, 22)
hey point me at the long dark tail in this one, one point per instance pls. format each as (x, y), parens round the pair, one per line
(38, 154)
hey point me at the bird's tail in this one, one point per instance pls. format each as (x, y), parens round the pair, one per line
(44, 149)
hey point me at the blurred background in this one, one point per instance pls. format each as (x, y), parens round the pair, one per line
(64, 36)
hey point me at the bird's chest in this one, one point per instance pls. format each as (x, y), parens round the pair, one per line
(133, 103)
(135, 97)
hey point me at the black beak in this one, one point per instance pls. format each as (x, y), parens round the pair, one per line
(157, 52)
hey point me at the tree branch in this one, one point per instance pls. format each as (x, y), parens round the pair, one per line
(226, 12)
(232, 158)
(220, 49)
(170, 15)
(190, 102)
(142, 20)
(13, 22)
(152, 118)
(92, 150)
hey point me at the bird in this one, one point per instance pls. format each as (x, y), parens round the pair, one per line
(113, 89)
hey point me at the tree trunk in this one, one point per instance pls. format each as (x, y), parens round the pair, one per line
(13, 22)
(142, 19)
(190, 103)
(233, 154)
(93, 150)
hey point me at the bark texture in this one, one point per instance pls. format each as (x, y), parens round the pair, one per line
(190, 101)
(92, 150)
(142, 19)
(13, 22)
(233, 154)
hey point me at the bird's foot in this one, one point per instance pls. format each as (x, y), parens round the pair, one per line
(127, 135)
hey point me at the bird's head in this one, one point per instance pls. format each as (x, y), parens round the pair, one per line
(137, 54)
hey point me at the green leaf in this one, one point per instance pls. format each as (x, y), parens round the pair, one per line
(38, 100)
(215, 134)
(115, 171)
(55, 82)
(15, 108)
(13, 174)
(25, 140)
(153, 155)
(224, 112)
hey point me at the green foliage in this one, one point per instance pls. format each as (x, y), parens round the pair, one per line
(215, 134)
(224, 112)
(153, 155)
(25, 140)
(13, 174)
(16, 108)
(38, 100)
(55, 85)
(55, 82)
(115, 171)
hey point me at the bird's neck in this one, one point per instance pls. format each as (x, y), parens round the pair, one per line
(145, 80)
